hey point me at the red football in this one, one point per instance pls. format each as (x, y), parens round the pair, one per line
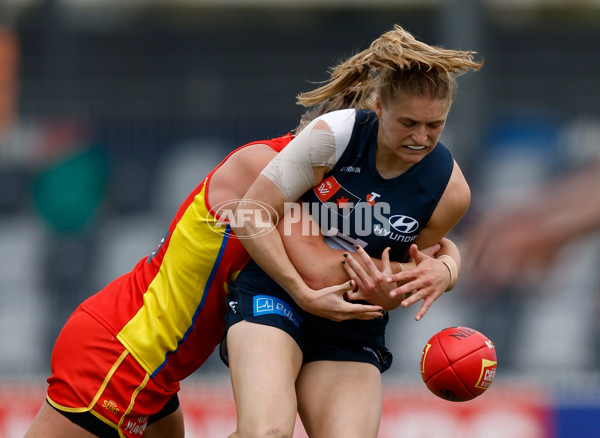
(458, 363)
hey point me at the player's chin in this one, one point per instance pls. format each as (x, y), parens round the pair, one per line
(412, 155)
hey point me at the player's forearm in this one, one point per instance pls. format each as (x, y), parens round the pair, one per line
(269, 253)
(450, 256)
(262, 241)
(321, 266)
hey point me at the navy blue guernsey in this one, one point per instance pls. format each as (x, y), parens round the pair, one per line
(355, 205)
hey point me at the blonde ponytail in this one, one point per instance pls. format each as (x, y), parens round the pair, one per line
(395, 62)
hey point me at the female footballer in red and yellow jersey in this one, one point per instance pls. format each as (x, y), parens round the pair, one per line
(118, 361)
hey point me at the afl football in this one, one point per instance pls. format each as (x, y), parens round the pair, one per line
(458, 364)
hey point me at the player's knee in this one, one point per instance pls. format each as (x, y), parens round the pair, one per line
(264, 431)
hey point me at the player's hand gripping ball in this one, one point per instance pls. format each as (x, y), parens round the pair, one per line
(458, 364)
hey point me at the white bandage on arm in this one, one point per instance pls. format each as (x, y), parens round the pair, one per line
(452, 268)
(292, 169)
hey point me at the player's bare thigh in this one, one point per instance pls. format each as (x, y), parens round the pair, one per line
(48, 423)
(339, 399)
(170, 426)
(264, 362)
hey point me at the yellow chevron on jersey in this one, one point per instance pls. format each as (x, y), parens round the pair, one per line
(176, 295)
(169, 310)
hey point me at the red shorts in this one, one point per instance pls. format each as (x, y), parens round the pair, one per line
(92, 372)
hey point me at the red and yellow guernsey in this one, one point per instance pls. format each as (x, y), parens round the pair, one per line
(169, 310)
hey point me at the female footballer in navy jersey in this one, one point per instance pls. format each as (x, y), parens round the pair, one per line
(386, 155)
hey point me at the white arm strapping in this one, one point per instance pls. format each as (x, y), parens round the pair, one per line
(292, 169)
(452, 268)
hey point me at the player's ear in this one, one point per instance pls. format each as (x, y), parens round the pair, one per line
(378, 106)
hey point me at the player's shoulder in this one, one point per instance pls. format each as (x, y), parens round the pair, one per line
(256, 154)
(339, 119)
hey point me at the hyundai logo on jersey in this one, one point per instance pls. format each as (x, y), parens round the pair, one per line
(403, 224)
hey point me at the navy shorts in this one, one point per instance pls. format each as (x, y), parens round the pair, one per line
(262, 301)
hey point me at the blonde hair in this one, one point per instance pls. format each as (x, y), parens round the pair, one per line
(395, 63)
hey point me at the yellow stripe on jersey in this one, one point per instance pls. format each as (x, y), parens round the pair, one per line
(177, 292)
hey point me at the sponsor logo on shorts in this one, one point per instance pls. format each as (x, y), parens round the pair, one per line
(265, 305)
(136, 426)
(111, 406)
(373, 352)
